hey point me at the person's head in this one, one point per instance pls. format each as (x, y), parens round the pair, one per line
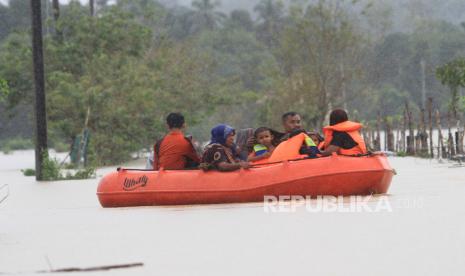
(175, 120)
(291, 121)
(223, 134)
(337, 116)
(263, 136)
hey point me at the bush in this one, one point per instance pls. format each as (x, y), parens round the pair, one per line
(29, 172)
(16, 144)
(51, 171)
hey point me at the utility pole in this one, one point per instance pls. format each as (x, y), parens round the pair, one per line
(39, 84)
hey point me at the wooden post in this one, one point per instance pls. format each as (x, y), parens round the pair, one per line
(398, 142)
(458, 139)
(372, 139)
(424, 134)
(378, 132)
(441, 148)
(450, 138)
(430, 126)
(404, 125)
(411, 137)
(461, 138)
(366, 135)
(39, 85)
(389, 136)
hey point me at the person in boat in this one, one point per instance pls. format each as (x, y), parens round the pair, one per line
(175, 151)
(342, 136)
(292, 124)
(221, 154)
(264, 147)
(317, 138)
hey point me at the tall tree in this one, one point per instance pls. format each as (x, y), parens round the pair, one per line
(240, 19)
(205, 15)
(270, 15)
(56, 9)
(310, 54)
(452, 74)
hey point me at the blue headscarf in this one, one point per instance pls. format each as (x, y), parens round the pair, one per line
(220, 133)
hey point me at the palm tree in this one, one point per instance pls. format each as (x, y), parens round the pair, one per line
(205, 15)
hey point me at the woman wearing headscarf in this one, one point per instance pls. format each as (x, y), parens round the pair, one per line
(221, 153)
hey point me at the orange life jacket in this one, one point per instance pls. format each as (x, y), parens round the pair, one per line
(289, 149)
(351, 128)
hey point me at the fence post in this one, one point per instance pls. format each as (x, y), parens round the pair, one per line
(378, 132)
(430, 126)
(411, 136)
(450, 138)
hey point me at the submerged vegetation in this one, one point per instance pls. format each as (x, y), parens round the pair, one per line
(52, 171)
(12, 144)
(118, 72)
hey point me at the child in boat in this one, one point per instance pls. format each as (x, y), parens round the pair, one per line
(221, 153)
(264, 148)
(317, 138)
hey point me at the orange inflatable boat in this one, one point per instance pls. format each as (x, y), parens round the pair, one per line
(333, 175)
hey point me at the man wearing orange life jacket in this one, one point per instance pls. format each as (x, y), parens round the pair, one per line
(342, 136)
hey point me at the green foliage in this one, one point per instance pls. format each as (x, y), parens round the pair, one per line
(120, 72)
(15, 144)
(85, 173)
(50, 168)
(452, 74)
(29, 172)
(51, 171)
(4, 89)
(16, 68)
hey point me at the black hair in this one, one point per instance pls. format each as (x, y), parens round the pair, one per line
(260, 130)
(337, 116)
(175, 120)
(288, 114)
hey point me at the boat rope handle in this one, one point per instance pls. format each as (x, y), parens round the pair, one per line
(119, 169)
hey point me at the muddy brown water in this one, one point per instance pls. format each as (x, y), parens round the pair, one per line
(54, 225)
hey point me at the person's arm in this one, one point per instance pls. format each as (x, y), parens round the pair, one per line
(228, 167)
(192, 154)
(190, 151)
(259, 157)
(251, 141)
(341, 140)
(328, 151)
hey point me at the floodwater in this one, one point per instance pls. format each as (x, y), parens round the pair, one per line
(53, 225)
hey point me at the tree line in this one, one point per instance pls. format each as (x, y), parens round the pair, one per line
(118, 69)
